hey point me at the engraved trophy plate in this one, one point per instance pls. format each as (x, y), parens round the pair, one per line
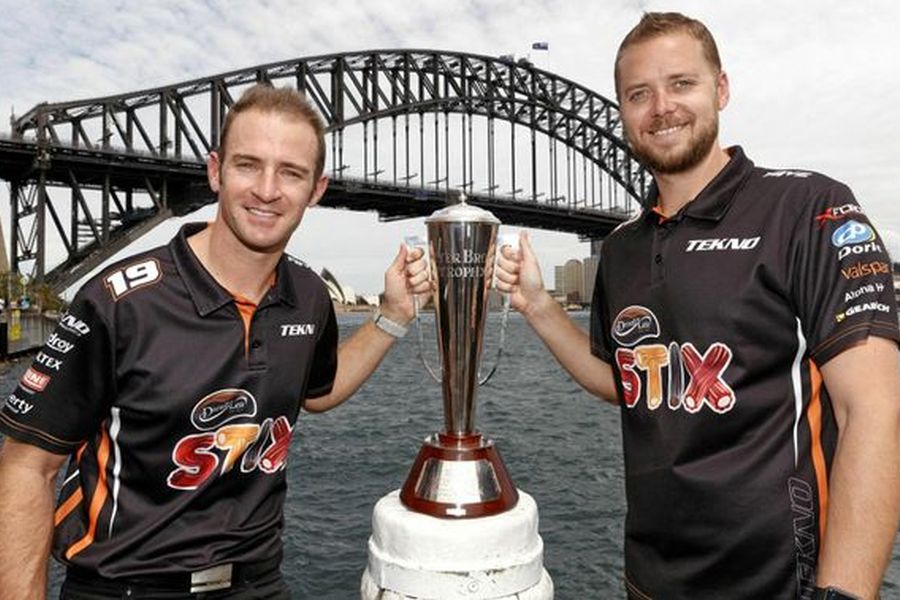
(457, 472)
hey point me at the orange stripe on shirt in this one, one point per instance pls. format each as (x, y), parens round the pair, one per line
(67, 507)
(814, 415)
(72, 501)
(97, 500)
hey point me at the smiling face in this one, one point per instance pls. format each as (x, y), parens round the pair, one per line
(670, 97)
(265, 178)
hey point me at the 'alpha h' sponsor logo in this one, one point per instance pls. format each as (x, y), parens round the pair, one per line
(718, 244)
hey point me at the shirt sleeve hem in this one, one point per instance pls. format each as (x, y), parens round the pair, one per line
(853, 336)
(31, 436)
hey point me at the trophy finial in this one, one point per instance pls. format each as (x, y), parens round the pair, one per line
(460, 197)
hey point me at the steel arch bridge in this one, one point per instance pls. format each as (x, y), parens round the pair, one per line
(404, 128)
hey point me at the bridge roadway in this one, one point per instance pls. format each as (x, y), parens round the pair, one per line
(187, 189)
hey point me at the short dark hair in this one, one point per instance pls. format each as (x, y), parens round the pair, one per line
(656, 24)
(287, 101)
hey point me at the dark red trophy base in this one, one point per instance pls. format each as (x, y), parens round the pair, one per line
(459, 477)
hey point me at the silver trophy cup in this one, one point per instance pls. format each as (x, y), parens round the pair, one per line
(458, 473)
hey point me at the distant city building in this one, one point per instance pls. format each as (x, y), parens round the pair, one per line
(591, 264)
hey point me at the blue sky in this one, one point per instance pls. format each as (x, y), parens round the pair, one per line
(813, 82)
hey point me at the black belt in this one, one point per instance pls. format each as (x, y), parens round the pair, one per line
(210, 579)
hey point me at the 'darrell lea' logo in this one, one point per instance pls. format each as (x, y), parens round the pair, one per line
(221, 407)
(634, 324)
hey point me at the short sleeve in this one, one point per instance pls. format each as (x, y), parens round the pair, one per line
(601, 342)
(64, 394)
(840, 276)
(324, 367)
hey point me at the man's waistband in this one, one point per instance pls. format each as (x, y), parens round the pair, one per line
(219, 577)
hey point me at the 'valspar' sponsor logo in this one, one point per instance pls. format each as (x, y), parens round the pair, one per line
(861, 308)
(634, 324)
(864, 269)
(716, 244)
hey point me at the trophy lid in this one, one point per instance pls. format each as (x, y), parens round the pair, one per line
(462, 213)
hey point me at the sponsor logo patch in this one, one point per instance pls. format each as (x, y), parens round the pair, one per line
(18, 406)
(788, 173)
(222, 406)
(718, 244)
(634, 324)
(689, 379)
(852, 232)
(861, 308)
(296, 329)
(836, 213)
(34, 380)
(864, 269)
(73, 325)
(869, 288)
(54, 342)
(857, 249)
(48, 361)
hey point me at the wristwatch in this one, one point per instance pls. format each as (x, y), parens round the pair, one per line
(831, 593)
(386, 325)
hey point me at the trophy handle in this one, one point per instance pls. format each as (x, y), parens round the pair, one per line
(503, 239)
(414, 241)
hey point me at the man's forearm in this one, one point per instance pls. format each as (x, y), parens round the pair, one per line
(571, 347)
(26, 527)
(864, 505)
(358, 357)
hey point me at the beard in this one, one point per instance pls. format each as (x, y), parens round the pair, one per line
(677, 160)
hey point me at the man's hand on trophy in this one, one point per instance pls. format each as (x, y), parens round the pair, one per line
(519, 275)
(406, 276)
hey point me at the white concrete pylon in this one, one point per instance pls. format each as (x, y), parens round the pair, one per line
(413, 556)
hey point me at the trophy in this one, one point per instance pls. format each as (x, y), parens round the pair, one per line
(458, 473)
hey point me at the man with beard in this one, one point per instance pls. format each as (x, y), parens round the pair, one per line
(745, 324)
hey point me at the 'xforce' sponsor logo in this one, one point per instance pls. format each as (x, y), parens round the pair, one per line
(861, 308)
(18, 406)
(857, 249)
(864, 269)
(54, 342)
(852, 232)
(295, 329)
(679, 373)
(221, 407)
(836, 213)
(34, 380)
(634, 324)
(74, 325)
(715, 244)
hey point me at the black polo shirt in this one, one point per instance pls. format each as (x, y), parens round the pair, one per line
(179, 432)
(716, 322)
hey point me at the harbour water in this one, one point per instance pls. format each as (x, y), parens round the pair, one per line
(560, 445)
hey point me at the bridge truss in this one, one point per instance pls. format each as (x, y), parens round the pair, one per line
(404, 128)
